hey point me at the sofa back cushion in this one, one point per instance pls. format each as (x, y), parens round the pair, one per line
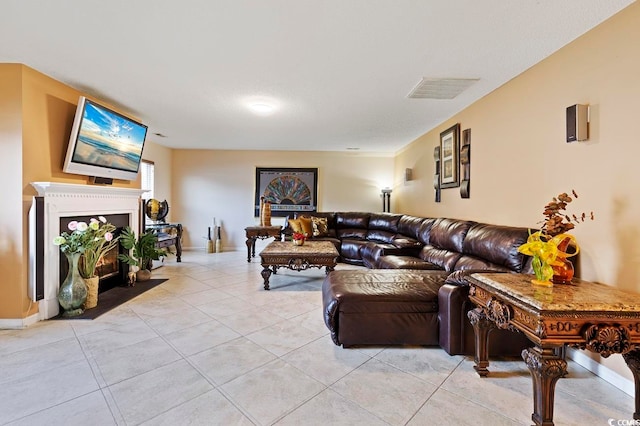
(352, 220)
(384, 222)
(496, 244)
(409, 226)
(382, 227)
(442, 258)
(425, 230)
(449, 234)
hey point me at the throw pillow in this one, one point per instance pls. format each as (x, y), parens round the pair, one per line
(295, 225)
(320, 227)
(305, 224)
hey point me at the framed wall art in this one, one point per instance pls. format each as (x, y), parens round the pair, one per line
(289, 190)
(450, 157)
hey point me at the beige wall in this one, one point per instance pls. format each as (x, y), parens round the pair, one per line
(221, 184)
(519, 157)
(161, 157)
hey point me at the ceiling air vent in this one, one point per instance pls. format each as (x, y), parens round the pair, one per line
(441, 88)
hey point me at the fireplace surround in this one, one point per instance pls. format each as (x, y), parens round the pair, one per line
(56, 201)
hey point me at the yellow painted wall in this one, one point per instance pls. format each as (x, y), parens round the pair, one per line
(519, 157)
(11, 236)
(37, 113)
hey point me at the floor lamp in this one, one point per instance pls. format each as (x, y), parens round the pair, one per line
(386, 200)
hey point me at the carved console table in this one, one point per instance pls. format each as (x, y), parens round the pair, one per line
(260, 232)
(586, 315)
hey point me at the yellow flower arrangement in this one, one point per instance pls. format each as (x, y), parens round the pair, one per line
(549, 246)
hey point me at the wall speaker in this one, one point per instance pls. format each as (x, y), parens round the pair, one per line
(577, 123)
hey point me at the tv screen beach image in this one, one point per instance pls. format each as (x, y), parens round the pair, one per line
(109, 140)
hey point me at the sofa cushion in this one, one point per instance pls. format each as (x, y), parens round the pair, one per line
(410, 225)
(405, 262)
(425, 230)
(295, 226)
(444, 259)
(352, 220)
(384, 221)
(305, 224)
(320, 226)
(448, 234)
(497, 244)
(350, 249)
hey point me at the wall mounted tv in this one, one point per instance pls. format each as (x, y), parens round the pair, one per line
(104, 143)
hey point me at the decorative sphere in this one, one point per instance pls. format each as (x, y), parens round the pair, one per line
(156, 210)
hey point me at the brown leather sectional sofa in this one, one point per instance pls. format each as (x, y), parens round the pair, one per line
(421, 298)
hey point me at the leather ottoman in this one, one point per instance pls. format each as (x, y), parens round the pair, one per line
(382, 307)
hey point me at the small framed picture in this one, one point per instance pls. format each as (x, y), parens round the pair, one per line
(449, 157)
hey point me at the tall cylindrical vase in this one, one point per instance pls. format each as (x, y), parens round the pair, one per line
(266, 214)
(73, 291)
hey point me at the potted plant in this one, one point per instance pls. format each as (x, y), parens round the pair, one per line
(141, 252)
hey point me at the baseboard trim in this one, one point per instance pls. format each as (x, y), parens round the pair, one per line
(18, 323)
(625, 385)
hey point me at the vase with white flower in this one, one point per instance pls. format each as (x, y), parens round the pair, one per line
(73, 290)
(100, 240)
(551, 246)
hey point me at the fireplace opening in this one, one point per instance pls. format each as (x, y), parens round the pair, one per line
(111, 271)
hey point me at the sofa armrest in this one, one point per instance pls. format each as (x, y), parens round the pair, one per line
(459, 277)
(456, 334)
(453, 305)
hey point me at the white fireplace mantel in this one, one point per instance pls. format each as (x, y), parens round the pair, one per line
(62, 200)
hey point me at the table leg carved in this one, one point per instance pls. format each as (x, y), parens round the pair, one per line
(254, 233)
(546, 368)
(632, 359)
(266, 273)
(482, 326)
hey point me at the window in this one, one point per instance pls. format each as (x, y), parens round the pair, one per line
(147, 171)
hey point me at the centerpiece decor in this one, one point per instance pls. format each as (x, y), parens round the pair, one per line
(298, 238)
(552, 245)
(100, 240)
(73, 290)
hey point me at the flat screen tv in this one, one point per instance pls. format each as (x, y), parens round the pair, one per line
(104, 143)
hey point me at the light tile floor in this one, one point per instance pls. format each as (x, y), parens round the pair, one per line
(211, 347)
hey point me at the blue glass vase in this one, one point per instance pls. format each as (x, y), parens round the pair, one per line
(73, 291)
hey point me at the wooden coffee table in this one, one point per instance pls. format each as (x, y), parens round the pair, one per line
(285, 254)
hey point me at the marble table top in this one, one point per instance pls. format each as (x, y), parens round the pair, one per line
(309, 247)
(581, 295)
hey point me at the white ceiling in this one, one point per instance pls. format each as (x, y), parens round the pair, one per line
(338, 71)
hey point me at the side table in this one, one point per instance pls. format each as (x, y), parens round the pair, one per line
(260, 232)
(167, 239)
